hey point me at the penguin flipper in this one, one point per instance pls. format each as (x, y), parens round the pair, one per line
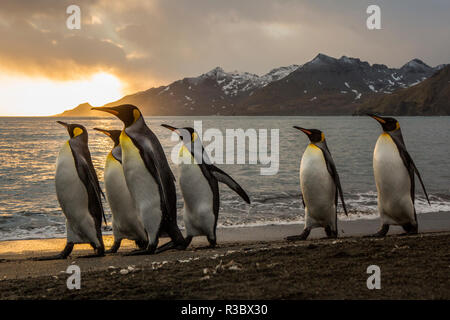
(223, 177)
(88, 176)
(408, 162)
(303, 200)
(333, 172)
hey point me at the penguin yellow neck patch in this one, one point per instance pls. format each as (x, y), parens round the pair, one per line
(185, 156)
(77, 131)
(313, 146)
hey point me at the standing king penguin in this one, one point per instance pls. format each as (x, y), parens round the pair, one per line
(127, 222)
(199, 184)
(79, 194)
(394, 170)
(149, 179)
(320, 186)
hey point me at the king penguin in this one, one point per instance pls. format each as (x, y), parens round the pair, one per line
(320, 186)
(394, 170)
(199, 184)
(126, 223)
(79, 194)
(149, 178)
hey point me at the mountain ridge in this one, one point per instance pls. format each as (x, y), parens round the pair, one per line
(323, 86)
(430, 97)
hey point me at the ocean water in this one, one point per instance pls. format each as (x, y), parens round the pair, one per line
(29, 147)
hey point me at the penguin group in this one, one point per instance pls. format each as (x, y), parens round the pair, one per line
(140, 186)
(394, 172)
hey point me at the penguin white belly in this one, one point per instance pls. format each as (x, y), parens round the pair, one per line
(198, 212)
(73, 198)
(127, 222)
(142, 186)
(393, 183)
(318, 189)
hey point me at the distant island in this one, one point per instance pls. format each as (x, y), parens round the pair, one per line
(322, 86)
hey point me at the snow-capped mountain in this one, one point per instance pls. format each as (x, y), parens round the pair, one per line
(236, 83)
(327, 85)
(324, 85)
(430, 97)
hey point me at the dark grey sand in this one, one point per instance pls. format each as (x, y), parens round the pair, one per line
(255, 251)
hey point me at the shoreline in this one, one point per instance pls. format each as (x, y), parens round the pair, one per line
(428, 222)
(248, 263)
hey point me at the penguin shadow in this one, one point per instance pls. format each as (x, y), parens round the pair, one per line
(204, 248)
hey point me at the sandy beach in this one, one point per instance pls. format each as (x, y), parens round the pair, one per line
(249, 263)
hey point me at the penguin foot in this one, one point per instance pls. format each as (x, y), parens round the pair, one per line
(410, 229)
(212, 242)
(115, 247)
(151, 249)
(380, 234)
(296, 238)
(141, 244)
(407, 234)
(375, 235)
(331, 234)
(303, 236)
(171, 245)
(138, 253)
(62, 255)
(99, 252)
(329, 237)
(95, 255)
(46, 258)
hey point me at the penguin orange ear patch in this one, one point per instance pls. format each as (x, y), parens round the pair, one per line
(77, 131)
(136, 114)
(194, 136)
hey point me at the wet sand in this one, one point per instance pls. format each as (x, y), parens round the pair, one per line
(249, 263)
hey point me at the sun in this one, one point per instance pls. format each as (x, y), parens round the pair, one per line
(28, 96)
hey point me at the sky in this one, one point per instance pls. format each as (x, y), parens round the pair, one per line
(131, 45)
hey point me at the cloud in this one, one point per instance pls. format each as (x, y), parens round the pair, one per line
(148, 43)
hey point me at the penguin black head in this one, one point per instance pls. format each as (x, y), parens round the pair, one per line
(388, 124)
(128, 113)
(314, 135)
(113, 134)
(75, 130)
(186, 134)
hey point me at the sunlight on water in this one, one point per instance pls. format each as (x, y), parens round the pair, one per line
(29, 147)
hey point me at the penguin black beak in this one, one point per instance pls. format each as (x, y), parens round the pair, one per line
(106, 109)
(307, 132)
(378, 118)
(170, 128)
(103, 131)
(63, 124)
